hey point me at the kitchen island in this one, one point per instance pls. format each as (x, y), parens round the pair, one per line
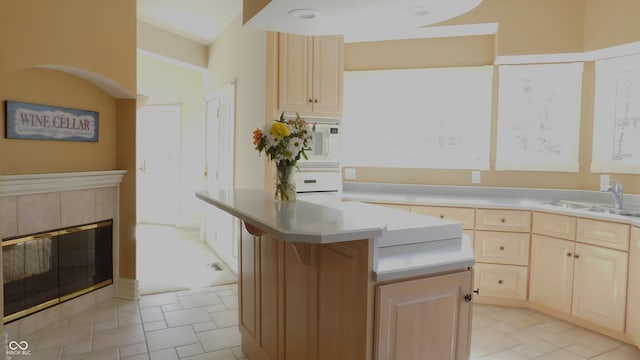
(348, 280)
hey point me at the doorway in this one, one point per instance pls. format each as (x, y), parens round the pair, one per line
(220, 229)
(159, 164)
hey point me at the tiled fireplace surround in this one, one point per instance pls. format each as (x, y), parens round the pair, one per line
(39, 202)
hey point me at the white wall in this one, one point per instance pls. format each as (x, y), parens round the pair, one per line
(168, 83)
(239, 55)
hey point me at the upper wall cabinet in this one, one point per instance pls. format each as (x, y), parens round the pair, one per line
(310, 73)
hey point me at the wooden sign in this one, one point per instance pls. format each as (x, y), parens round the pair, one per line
(43, 122)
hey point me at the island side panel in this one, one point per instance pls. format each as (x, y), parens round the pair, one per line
(310, 301)
(344, 291)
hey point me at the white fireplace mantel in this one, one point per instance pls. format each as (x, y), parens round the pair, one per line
(15, 185)
(33, 203)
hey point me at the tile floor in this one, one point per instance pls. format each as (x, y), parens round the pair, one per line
(503, 333)
(203, 325)
(191, 324)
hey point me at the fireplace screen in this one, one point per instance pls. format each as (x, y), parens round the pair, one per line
(44, 269)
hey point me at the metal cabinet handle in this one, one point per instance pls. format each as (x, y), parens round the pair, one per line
(501, 247)
(503, 220)
(477, 291)
(499, 281)
(315, 100)
(467, 298)
(569, 254)
(577, 256)
(441, 216)
(310, 100)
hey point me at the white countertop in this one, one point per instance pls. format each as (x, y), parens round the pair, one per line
(308, 222)
(405, 244)
(479, 197)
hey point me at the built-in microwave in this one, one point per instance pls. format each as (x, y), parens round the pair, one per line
(326, 148)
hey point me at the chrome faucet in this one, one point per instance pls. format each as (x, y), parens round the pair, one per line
(616, 191)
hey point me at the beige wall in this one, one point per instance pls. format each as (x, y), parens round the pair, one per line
(90, 37)
(167, 83)
(520, 31)
(531, 27)
(239, 55)
(610, 23)
(58, 89)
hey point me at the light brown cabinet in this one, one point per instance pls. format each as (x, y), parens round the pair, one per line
(600, 286)
(310, 74)
(501, 245)
(551, 281)
(633, 291)
(424, 316)
(303, 301)
(464, 215)
(574, 277)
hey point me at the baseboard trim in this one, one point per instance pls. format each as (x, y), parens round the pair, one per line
(127, 289)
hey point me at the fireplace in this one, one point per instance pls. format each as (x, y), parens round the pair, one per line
(47, 268)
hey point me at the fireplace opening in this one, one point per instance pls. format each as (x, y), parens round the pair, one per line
(44, 269)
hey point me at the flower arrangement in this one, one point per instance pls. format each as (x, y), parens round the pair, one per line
(284, 141)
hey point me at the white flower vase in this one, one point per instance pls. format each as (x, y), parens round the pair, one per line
(284, 184)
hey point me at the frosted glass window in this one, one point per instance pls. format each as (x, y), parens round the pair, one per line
(418, 118)
(616, 135)
(539, 117)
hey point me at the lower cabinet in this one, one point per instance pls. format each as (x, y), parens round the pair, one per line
(633, 291)
(586, 281)
(501, 281)
(551, 281)
(424, 319)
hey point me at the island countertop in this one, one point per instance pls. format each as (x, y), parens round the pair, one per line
(307, 222)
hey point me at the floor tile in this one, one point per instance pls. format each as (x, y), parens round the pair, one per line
(219, 339)
(225, 354)
(165, 354)
(133, 349)
(225, 318)
(197, 300)
(171, 337)
(118, 337)
(186, 317)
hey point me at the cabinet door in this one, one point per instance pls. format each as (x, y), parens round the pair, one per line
(328, 69)
(633, 292)
(600, 285)
(464, 215)
(424, 316)
(603, 233)
(501, 281)
(551, 272)
(503, 220)
(560, 226)
(295, 62)
(502, 247)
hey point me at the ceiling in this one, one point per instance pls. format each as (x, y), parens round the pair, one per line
(198, 20)
(359, 20)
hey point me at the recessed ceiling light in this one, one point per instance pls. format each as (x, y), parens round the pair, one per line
(304, 14)
(418, 10)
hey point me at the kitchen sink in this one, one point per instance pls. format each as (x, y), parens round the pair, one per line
(569, 204)
(616, 211)
(575, 205)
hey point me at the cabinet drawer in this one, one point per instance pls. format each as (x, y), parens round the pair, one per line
(603, 233)
(560, 226)
(503, 281)
(502, 247)
(503, 220)
(464, 215)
